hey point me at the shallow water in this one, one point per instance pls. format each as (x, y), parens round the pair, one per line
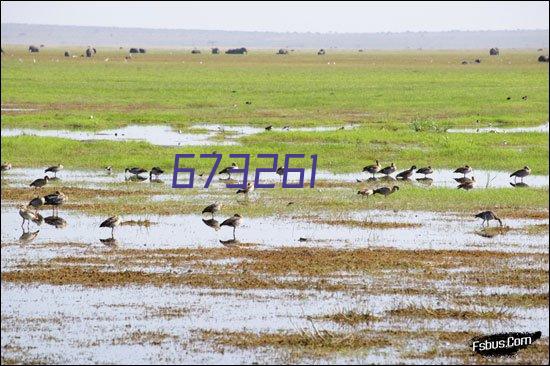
(544, 128)
(159, 134)
(22, 177)
(438, 231)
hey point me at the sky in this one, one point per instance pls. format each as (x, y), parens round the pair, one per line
(280, 16)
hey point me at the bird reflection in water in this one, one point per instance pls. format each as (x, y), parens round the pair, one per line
(56, 221)
(426, 181)
(110, 242)
(135, 178)
(214, 224)
(28, 236)
(230, 242)
(519, 185)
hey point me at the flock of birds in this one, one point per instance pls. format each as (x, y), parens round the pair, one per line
(30, 212)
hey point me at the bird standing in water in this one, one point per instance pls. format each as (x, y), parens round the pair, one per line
(372, 169)
(249, 188)
(212, 209)
(522, 173)
(111, 222)
(40, 182)
(54, 169)
(229, 169)
(488, 216)
(29, 215)
(234, 221)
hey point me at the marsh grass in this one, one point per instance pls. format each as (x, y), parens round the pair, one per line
(418, 311)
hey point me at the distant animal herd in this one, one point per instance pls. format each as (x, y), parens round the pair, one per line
(90, 51)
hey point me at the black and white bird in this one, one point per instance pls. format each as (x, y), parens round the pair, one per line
(111, 222)
(522, 173)
(156, 171)
(212, 209)
(5, 166)
(40, 182)
(54, 169)
(37, 202)
(228, 170)
(234, 221)
(135, 170)
(249, 188)
(55, 200)
(488, 216)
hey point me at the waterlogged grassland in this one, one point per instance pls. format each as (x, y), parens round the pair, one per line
(301, 88)
(338, 151)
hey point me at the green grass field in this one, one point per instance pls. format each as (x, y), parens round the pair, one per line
(401, 102)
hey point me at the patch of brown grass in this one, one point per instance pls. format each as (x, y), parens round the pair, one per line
(415, 311)
(366, 224)
(143, 337)
(350, 317)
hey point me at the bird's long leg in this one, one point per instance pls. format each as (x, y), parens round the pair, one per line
(22, 224)
(113, 232)
(234, 227)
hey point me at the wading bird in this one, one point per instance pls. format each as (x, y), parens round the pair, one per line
(135, 170)
(463, 170)
(5, 166)
(234, 221)
(212, 209)
(385, 191)
(54, 169)
(467, 185)
(366, 192)
(37, 202)
(111, 222)
(406, 174)
(522, 173)
(280, 172)
(109, 169)
(40, 182)
(426, 170)
(55, 200)
(488, 216)
(229, 169)
(29, 215)
(388, 170)
(372, 169)
(249, 188)
(156, 171)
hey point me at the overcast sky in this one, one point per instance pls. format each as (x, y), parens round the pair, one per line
(340, 16)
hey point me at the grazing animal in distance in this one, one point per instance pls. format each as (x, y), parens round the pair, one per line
(406, 174)
(385, 191)
(40, 182)
(488, 216)
(522, 173)
(111, 222)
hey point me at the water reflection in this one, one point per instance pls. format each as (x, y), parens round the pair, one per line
(519, 185)
(110, 242)
(425, 181)
(214, 224)
(135, 178)
(230, 242)
(28, 236)
(56, 221)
